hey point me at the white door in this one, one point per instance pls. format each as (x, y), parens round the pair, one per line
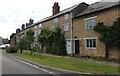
(68, 47)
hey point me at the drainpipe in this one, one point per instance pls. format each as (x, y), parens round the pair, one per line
(71, 22)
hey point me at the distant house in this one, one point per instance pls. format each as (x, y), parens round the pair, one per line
(78, 22)
(0, 40)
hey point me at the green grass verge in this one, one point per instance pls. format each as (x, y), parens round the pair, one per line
(70, 64)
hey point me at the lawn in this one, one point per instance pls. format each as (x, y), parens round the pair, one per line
(70, 64)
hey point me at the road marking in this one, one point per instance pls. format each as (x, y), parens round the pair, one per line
(34, 66)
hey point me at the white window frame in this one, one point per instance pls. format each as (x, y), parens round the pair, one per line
(66, 16)
(90, 20)
(35, 33)
(40, 25)
(35, 26)
(55, 20)
(39, 31)
(66, 27)
(90, 43)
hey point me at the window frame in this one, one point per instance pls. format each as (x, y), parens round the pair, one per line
(66, 25)
(35, 33)
(88, 46)
(56, 20)
(35, 26)
(90, 21)
(40, 25)
(66, 16)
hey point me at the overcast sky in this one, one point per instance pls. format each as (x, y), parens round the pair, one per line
(13, 13)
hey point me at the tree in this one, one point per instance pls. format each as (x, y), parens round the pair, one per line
(109, 35)
(59, 42)
(115, 28)
(22, 44)
(13, 39)
(42, 38)
(29, 40)
(53, 41)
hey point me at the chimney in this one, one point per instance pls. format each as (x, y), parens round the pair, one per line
(27, 24)
(31, 21)
(56, 8)
(18, 31)
(23, 27)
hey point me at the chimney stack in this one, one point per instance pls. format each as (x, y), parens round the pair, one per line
(56, 8)
(31, 21)
(23, 27)
(27, 24)
(18, 31)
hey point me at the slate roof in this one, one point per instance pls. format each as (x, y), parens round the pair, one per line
(97, 7)
(54, 16)
(81, 10)
(58, 14)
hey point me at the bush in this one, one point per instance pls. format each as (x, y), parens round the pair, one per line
(11, 49)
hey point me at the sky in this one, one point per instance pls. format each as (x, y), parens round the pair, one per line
(14, 13)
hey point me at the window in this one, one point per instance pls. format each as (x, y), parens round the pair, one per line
(90, 43)
(66, 27)
(66, 16)
(56, 20)
(35, 26)
(40, 25)
(90, 22)
(39, 31)
(35, 33)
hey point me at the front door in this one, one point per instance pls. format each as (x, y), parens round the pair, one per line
(68, 46)
(77, 47)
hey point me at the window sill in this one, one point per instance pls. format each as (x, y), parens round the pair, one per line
(91, 48)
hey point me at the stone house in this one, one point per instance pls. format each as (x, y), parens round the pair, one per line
(78, 22)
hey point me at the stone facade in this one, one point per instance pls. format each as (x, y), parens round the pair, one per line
(72, 21)
(107, 16)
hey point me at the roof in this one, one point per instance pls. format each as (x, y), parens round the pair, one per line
(58, 14)
(82, 9)
(97, 7)
(80, 5)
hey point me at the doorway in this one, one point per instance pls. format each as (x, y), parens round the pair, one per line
(77, 49)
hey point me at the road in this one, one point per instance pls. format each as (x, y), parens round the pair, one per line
(11, 65)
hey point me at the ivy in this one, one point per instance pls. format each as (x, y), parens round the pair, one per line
(109, 35)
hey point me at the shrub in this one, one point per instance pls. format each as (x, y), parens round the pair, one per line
(11, 49)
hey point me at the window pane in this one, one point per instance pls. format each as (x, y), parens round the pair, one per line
(66, 16)
(56, 20)
(66, 27)
(94, 43)
(87, 43)
(90, 23)
(90, 43)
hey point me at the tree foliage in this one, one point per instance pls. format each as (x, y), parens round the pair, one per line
(29, 37)
(53, 41)
(22, 44)
(109, 35)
